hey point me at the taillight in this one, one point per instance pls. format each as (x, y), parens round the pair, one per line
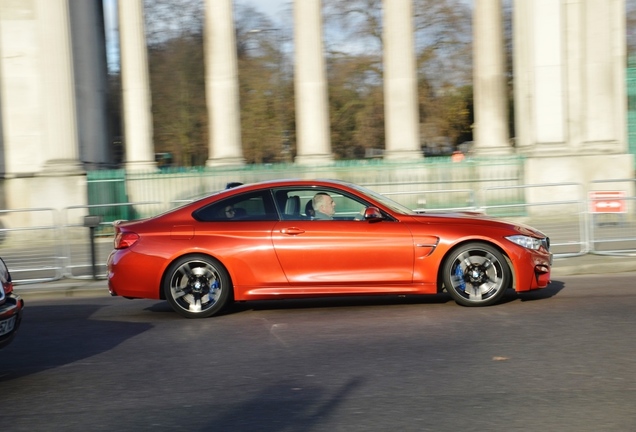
(124, 240)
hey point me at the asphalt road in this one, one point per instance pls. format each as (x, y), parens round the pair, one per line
(559, 359)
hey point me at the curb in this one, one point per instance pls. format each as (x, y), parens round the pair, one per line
(593, 264)
(63, 288)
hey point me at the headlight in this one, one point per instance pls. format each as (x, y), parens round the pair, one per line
(525, 241)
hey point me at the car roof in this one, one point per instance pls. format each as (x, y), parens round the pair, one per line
(266, 184)
(300, 182)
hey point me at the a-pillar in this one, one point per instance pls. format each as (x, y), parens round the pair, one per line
(138, 133)
(570, 90)
(60, 144)
(490, 131)
(222, 87)
(400, 82)
(310, 83)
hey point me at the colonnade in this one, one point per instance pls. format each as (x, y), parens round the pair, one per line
(569, 58)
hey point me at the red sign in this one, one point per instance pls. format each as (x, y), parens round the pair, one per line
(607, 202)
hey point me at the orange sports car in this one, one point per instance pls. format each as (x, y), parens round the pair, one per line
(308, 238)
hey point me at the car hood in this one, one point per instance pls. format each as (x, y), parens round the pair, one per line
(476, 219)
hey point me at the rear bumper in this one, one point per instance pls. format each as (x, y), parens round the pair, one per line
(132, 275)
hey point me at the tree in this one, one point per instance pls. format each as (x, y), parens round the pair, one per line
(444, 65)
(176, 63)
(176, 58)
(266, 88)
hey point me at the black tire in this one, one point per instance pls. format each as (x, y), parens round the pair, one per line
(476, 274)
(197, 286)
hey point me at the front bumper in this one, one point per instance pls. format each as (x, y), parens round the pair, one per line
(533, 270)
(10, 318)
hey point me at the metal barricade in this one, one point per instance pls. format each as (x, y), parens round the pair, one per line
(541, 206)
(38, 245)
(611, 216)
(31, 244)
(79, 247)
(544, 208)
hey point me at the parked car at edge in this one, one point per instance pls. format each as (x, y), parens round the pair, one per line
(11, 307)
(254, 242)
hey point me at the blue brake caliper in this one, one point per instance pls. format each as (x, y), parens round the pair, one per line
(459, 274)
(214, 285)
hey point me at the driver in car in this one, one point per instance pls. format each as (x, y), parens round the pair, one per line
(324, 206)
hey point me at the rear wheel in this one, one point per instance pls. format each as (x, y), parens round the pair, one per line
(476, 274)
(197, 286)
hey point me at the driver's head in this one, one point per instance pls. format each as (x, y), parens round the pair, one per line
(324, 203)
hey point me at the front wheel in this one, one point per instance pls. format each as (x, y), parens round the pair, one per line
(197, 286)
(476, 274)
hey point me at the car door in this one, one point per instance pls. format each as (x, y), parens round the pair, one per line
(344, 251)
(237, 230)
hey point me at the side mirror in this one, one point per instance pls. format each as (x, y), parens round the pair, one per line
(372, 214)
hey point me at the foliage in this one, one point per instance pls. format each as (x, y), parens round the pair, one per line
(265, 58)
(444, 66)
(266, 88)
(176, 63)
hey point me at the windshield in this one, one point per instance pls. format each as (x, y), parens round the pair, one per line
(386, 201)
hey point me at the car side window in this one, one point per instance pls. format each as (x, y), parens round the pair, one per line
(306, 204)
(253, 206)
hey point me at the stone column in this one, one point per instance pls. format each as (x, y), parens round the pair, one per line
(22, 120)
(222, 89)
(138, 134)
(603, 86)
(490, 131)
(38, 110)
(91, 81)
(400, 82)
(570, 104)
(58, 93)
(541, 99)
(310, 83)
(570, 76)
(3, 166)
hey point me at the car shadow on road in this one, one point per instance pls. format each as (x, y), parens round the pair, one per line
(290, 405)
(338, 302)
(332, 302)
(364, 301)
(51, 336)
(542, 294)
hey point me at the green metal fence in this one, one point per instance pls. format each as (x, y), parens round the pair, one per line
(108, 187)
(167, 188)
